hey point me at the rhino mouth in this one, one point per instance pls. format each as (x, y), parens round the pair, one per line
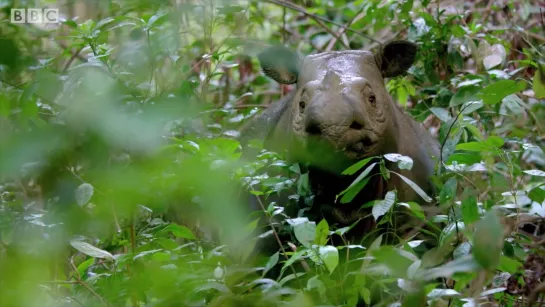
(362, 146)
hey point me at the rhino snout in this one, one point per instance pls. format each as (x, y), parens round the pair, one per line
(314, 127)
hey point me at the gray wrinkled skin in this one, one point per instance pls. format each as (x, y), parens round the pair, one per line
(341, 112)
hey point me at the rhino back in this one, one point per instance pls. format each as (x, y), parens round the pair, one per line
(263, 126)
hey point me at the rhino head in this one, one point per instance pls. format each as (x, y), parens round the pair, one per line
(340, 111)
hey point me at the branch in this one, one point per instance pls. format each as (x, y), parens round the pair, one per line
(357, 17)
(320, 20)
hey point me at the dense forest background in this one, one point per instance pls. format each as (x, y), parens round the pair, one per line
(118, 152)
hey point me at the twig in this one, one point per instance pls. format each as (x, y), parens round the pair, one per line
(448, 134)
(297, 36)
(320, 20)
(357, 17)
(86, 286)
(487, 10)
(532, 298)
(72, 58)
(277, 238)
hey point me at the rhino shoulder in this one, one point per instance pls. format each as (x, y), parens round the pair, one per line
(263, 126)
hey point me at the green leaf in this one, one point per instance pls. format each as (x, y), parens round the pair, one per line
(441, 113)
(407, 6)
(299, 254)
(84, 193)
(366, 295)
(451, 142)
(273, 260)
(474, 131)
(250, 227)
(535, 172)
(82, 268)
(495, 92)
(470, 210)
(322, 233)
(471, 106)
(70, 23)
(490, 144)
(315, 283)
(357, 166)
(403, 162)
(382, 207)
(448, 191)
(397, 260)
(462, 250)
(104, 22)
(330, 256)
(157, 20)
(464, 94)
(360, 177)
(179, 231)
(303, 185)
(161, 257)
(538, 86)
(415, 187)
(509, 265)
(537, 194)
(91, 250)
(305, 232)
(488, 241)
(435, 293)
(462, 264)
(514, 103)
(384, 172)
(415, 209)
(352, 192)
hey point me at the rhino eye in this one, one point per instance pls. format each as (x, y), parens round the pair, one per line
(302, 106)
(373, 100)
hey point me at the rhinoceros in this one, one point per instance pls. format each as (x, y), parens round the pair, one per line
(339, 113)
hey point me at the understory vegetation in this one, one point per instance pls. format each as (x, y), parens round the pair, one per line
(120, 163)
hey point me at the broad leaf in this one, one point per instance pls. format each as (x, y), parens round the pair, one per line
(353, 192)
(357, 166)
(84, 193)
(330, 256)
(415, 209)
(470, 210)
(538, 85)
(535, 172)
(91, 250)
(537, 194)
(441, 113)
(305, 232)
(488, 241)
(322, 233)
(273, 260)
(415, 187)
(403, 162)
(179, 231)
(464, 94)
(382, 207)
(360, 177)
(495, 92)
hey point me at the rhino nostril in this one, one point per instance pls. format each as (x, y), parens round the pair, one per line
(356, 126)
(313, 129)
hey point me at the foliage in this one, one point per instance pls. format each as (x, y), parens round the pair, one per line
(120, 165)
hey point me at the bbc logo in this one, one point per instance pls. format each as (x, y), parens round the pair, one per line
(34, 15)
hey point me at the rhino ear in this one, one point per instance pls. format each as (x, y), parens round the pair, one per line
(396, 57)
(280, 64)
